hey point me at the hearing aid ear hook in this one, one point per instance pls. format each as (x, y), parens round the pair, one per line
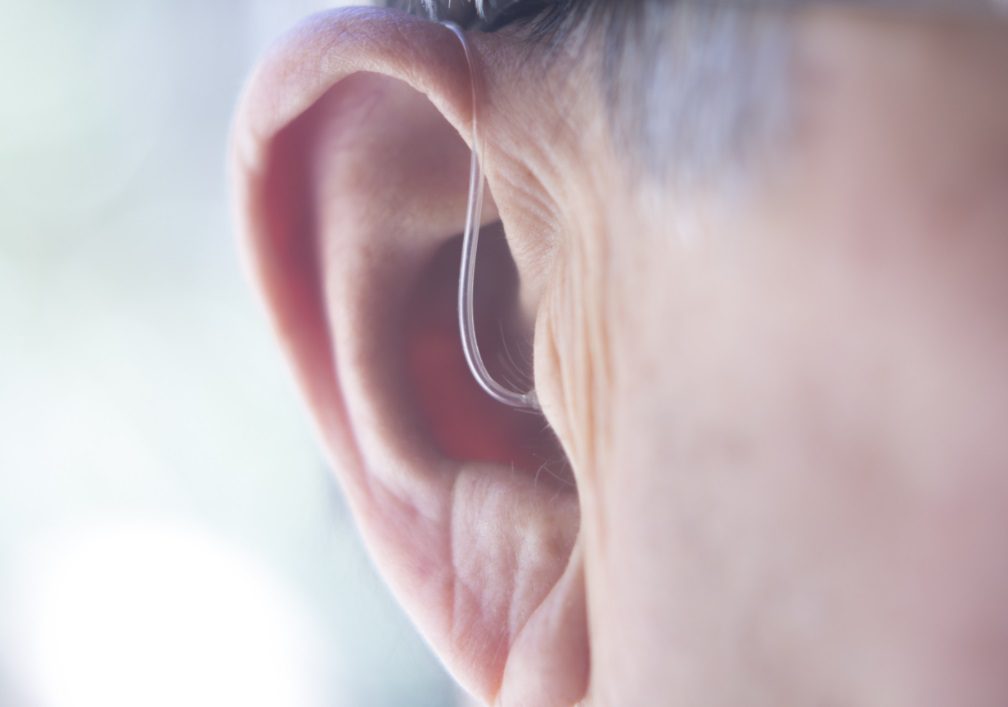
(470, 244)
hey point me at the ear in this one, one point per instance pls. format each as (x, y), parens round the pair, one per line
(351, 178)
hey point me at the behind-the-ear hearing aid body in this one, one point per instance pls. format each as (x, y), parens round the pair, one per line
(470, 246)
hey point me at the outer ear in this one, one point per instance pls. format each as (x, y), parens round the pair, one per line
(351, 182)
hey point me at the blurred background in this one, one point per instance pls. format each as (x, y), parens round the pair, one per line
(169, 534)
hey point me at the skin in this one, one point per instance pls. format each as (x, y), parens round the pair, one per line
(782, 407)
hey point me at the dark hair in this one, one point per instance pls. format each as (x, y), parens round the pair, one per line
(541, 16)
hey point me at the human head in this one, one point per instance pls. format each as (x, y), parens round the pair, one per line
(760, 251)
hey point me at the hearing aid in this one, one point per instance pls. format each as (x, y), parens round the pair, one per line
(470, 247)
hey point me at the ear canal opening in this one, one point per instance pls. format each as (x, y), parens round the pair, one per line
(462, 420)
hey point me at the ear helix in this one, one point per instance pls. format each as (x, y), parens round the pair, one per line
(470, 245)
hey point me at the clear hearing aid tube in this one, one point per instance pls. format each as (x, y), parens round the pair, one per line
(470, 246)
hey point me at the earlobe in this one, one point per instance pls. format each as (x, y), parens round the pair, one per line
(351, 186)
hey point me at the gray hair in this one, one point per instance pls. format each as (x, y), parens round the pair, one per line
(694, 86)
(697, 87)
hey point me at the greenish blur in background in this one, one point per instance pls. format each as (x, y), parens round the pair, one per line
(169, 534)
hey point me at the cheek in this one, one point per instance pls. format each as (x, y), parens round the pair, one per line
(814, 483)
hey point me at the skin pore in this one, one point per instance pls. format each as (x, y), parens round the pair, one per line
(782, 404)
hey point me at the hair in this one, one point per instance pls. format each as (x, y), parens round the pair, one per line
(695, 86)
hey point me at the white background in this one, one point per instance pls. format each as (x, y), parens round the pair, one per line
(168, 531)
